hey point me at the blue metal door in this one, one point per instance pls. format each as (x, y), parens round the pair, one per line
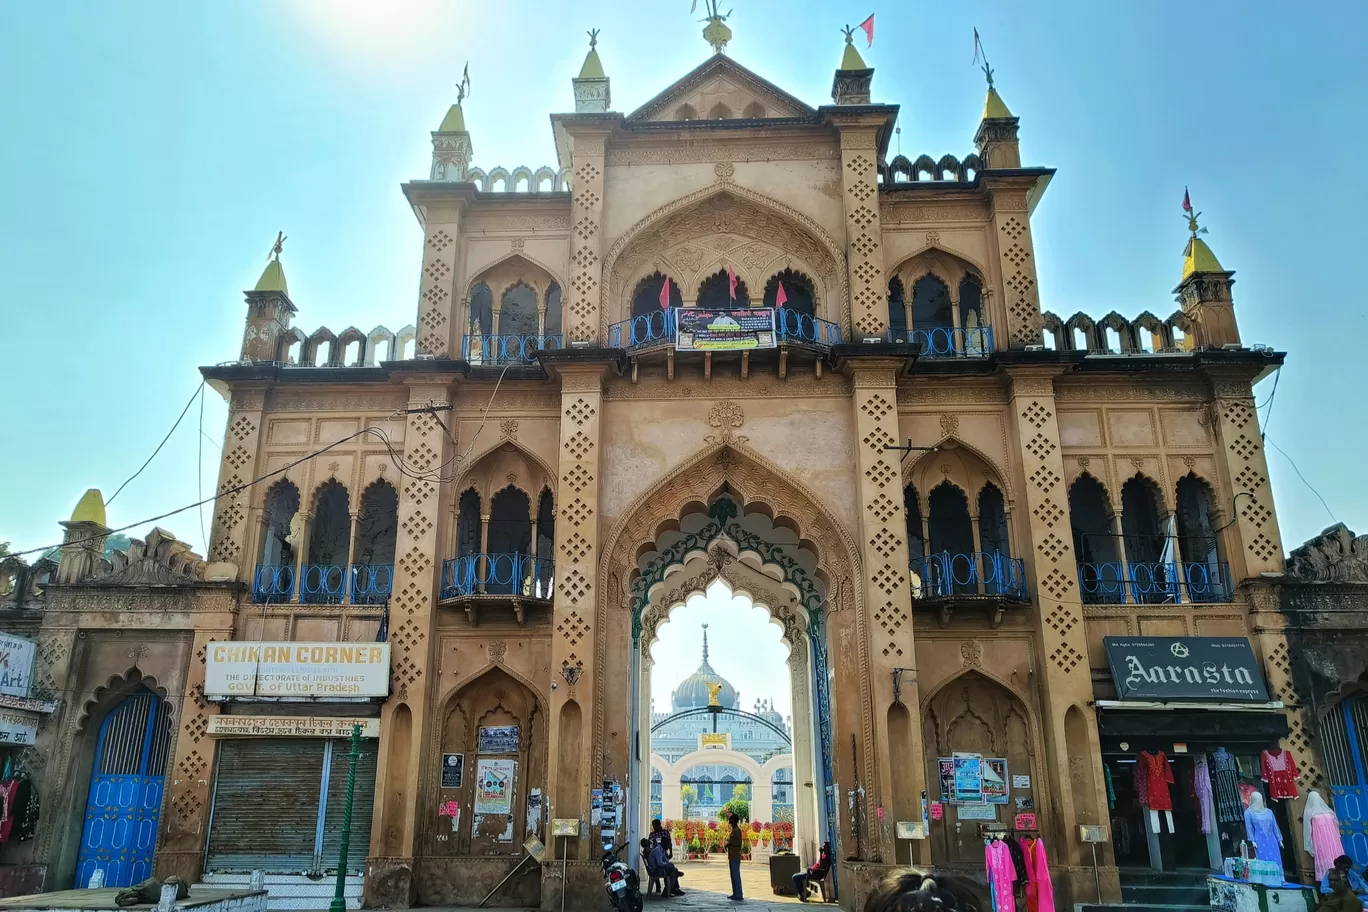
(124, 803)
(1345, 740)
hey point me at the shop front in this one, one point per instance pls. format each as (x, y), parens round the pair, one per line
(1189, 742)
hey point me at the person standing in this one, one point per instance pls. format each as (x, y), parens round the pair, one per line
(734, 856)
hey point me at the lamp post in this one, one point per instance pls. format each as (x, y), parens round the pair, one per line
(339, 900)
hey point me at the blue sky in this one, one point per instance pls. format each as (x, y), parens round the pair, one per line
(154, 149)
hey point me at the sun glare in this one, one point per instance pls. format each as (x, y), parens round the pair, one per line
(374, 30)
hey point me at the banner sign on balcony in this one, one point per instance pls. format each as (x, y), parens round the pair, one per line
(724, 330)
(297, 670)
(1221, 669)
(16, 665)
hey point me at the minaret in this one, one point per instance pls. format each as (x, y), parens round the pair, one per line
(853, 79)
(593, 94)
(996, 138)
(1204, 291)
(705, 647)
(84, 540)
(268, 310)
(452, 150)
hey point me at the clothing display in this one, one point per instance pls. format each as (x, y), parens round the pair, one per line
(1001, 875)
(1225, 779)
(1263, 830)
(1018, 862)
(18, 810)
(1247, 792)
(1201, 790)
(1321, 834)
(1158, 777)
(1039, 889)
(1279, 770)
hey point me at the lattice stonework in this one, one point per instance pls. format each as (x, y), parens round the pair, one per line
(435, 316)
(1017, 258)
(864, 259)
(1256, 520)
(193, 757)
(586, 242)
(236, 468)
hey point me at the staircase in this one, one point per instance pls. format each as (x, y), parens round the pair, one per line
(1157, 891)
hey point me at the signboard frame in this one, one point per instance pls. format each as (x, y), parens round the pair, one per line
(234, 726)
(18, 655)
(1186, 669)
(707, 329)
(296, 669)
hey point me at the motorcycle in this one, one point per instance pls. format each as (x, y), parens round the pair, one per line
(622, 883)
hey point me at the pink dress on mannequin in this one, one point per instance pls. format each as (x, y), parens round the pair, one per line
(998, 859)
(1321, 834)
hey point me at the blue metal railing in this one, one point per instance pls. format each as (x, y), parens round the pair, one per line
(1155, 583)
(500, 348)
(273, 583)
(794, 327)
(949, 341)
(322, 584)
(498, 574)
(976, 573)
(654, 328)
(371, 584)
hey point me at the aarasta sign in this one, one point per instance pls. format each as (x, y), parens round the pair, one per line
(1218, 669)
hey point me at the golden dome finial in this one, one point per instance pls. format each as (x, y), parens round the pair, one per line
(716, 33)
(1197, 256)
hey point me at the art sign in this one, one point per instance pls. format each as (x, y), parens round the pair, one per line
(297, 670)
(724, 330)
(17, 727)
(1168, 669)
(16, 665)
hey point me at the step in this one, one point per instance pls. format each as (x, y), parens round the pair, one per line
(1164, 894)
(292, 892)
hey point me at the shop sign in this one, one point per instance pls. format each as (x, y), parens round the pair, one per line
(297, 670)
(290, 727)
(16, 665)
(17, 727)
(724, 330)
(1221, 669)
(498, 739)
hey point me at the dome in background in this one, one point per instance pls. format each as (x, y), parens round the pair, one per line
(692, 692)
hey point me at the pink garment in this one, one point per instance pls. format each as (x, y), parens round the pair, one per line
(1325, 842)
(1039, 889)
(1002, 874)
(1201, 787)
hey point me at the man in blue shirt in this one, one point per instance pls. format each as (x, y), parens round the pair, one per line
(1345, 865)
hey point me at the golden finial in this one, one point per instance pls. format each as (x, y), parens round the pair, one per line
(593, 38)
(713, 691)
(277, 247)
(1190, 215)
(717, 33)
(463, 87)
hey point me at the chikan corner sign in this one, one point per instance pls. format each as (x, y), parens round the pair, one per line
(297, 670)
(1221, 669)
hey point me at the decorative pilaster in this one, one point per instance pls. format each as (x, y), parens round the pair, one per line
(1255, 546)
(231, 536)
(435, 318)
(1073, 756)
(389, 870)
(581, 313)
(1011, 229)
(864, 252)
(895, 792)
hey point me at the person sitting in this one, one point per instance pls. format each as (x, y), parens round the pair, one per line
(656, 877)
(814, 875)
(659, 867)
(1342, 898)
(1345, 865)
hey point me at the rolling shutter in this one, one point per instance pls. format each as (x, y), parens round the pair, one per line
(363, 802)
(265, 812)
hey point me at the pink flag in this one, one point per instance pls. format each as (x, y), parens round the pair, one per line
(780, 297)
(731, 282)
(665, 294)
(1187, 201)
(868, 26)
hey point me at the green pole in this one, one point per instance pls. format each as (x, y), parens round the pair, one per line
(339, 900)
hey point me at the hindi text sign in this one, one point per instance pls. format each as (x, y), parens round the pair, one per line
(297, 670)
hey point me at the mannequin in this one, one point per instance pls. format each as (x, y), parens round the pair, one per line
(1321, 834)
(1201, 790)
(1263, 830)
(1158, 777)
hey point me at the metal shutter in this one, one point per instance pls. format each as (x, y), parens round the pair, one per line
(265, 813)
(362, 804)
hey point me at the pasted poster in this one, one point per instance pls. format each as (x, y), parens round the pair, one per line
(498, 739)
(968, 778)
(947, 779)
(453, 771)
(995, 780)
(724, 330)
(494, 786)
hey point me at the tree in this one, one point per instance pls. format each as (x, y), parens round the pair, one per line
(688, 796)
(738, 805)
(4, 548)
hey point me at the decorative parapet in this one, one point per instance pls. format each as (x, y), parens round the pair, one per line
(1146, 334)
(948, 168)
(1334, 556)
(542, 180)
(324, 348)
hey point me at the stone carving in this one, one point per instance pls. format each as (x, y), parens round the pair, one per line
(971, 653)
(689, 153)
(1334, 556)
(508, 429)
(725, 416)
(724, 170)
(497, 650)
(949, 425)
(160, 560)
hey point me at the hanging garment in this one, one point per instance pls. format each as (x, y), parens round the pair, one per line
(1225, 779)
(9, 808)
(1321, 834)
(1201, 789)
(1001, 875)
(1263, 830)
(1018, 862)
(1040, 890)
(1111, 789)
(1280, 772)
(1247, 792)
(1141, 784)
(1158, 776)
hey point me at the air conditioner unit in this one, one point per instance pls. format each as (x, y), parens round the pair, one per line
(425, 356)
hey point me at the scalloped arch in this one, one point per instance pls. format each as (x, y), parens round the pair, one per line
(453, 692)
(938, 250)
(465, 480)
(122, 683)
(997, 476)
(482, 272)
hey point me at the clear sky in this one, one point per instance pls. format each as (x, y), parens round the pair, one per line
(152, 150)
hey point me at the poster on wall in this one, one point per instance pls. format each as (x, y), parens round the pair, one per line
(995, 780)
(947, 779)
(976, 812)
(968, 778)
(453, 771)
(724, 330)
(498, 739)
(494, 786)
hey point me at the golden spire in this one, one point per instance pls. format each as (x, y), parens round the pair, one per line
(454, 122)
(851, 59)
(716, 33)
(1197, 256)
(994, 108)
(593, 68)
(273, 276)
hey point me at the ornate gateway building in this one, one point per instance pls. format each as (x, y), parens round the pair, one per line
(727, 336)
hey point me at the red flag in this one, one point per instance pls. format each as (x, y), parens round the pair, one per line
(868, 26)
(780, 298)
(731, 282)
(665, 294)
(1187, 201)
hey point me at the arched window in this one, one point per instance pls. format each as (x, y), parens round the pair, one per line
(1099, 568)
(719, 111)
(1145, 541)
(952, 537)
(714, 292)
(282, 503)
(897, 311)
(755, 111)
(553, 310)
(468, 525)
(685, 112)
(916, 547)
(992, 521)
(377, 528)
(646, 300)
(324, 578)
(797, 291)
(971, 317)
(518, 311)
(1201, 572)
(546, 543)
(481, 310)
(510, 533)
(931, 304)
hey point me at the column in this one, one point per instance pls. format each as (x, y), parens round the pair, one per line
(389, 869)
(1175, 567)
(895, 786)
(864, 247)
(231, 540)
(1072, 757)
(302, 555)
(580, 317)
(762, 802)
(351, 556)
(1253, 544)
(1120, 540)
(806, 783)
(482, 575)
(1017, 324)
(436, 320)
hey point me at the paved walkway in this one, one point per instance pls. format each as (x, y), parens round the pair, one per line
(706, 885)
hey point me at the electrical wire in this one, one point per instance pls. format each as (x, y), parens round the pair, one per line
(199, 474)
(199, 391)
(1302, 477)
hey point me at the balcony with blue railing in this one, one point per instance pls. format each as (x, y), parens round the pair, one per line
(658, 328)
(273, 583)
(948, 341)
(649, 330)
(324, 584)
(793, 327)
(475, 578)
(947, 578)
(505, 348)
(1155, 583)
